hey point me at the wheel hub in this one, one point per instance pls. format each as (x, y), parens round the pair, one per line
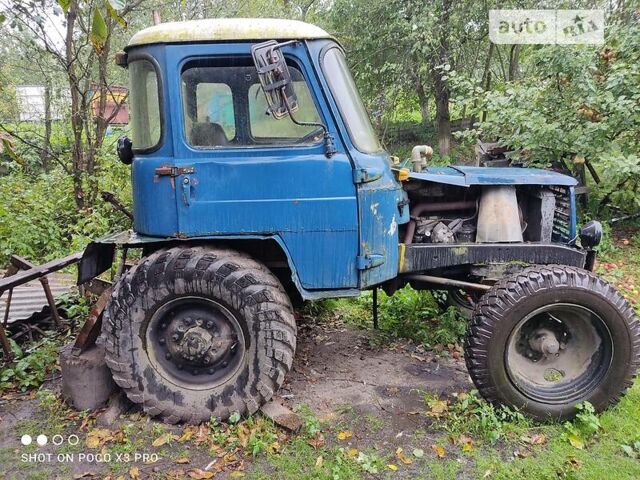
(558, 352)
(195, 340)
(544, 341)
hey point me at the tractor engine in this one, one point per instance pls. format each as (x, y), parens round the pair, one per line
(442, 213)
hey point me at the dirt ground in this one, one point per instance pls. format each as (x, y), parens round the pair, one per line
(339, 372)
(339, 368)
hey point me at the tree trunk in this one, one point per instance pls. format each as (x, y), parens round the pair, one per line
(514, 62)
(443, 119)
(440, 87)
(486, 75)
(45, 153)
(76, 116)
(423, 99)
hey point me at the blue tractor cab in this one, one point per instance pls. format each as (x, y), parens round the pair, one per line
(258, 178)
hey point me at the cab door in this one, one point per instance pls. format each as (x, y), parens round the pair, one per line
(244, 174)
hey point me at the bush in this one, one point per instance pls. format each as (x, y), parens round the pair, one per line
(39, 219)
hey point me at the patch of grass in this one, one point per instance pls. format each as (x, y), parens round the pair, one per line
(374, 423)
(408, 313)
(300, 461)
(472, 415)
(560, 459)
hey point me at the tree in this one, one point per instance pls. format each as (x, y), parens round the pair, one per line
(74, 39)
(412, 47)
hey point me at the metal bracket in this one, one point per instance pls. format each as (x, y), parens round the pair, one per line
(365, 262)
(173, 171)
(365, 175)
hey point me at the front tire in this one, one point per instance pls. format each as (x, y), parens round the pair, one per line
(551, 337)
(196, 332)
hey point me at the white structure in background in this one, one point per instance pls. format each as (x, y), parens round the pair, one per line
(31, 102)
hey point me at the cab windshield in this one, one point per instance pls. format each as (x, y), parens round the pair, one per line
(349, 103)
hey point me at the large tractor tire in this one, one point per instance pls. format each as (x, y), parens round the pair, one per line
(551, 337)
(196, 332)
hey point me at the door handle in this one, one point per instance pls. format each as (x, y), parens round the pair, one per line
(186, 191)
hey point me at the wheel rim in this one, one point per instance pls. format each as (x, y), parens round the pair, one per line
(195, 342)
(559, 353)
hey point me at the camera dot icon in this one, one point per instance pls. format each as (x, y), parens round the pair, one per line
(26, 440)
(42, 440)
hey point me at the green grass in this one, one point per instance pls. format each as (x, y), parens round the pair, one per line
(602, 456)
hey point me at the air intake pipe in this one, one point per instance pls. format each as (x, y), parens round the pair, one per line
(419, 156)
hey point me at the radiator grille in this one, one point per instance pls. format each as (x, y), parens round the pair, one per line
(562, 215)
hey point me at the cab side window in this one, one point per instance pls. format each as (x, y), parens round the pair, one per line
(266, 129)
(224, 107)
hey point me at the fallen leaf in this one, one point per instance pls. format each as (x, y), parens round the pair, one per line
(317, 441)
(163, 439)
(403, 457)
(392, 389)
(467, 443)
(438, 407)
(439, 450)
(576, 441)
(344, 435)
(352, 452)
(134, 473)
(182, 460)
(203, 434)
(392, 467)
(487, 474)
(319, 461)
(98, 437)
(200, 474)
(537, 439)
(418, 452)
(236, 474)
(187, 434)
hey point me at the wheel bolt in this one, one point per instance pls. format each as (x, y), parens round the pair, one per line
(211, 371)
(179, 367)
(175, 337)
(209, 324)
(225, 364)
(163, 325)
(194, 372)
(167, 356)
(162, 341)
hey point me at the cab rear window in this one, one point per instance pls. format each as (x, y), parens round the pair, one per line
(144, 101)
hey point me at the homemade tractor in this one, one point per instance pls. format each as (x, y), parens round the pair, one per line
(258, 180)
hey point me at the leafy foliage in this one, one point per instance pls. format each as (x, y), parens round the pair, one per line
(583, 427)
(30, 367)
(39, 219)
(472, 415)
(575, 103)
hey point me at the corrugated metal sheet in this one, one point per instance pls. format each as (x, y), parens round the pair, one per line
(29, 298)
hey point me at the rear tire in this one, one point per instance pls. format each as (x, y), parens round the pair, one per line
(551, 337)
(196, 332)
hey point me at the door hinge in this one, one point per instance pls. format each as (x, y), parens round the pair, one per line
(364, 262)
(173, 171)
(365, 175)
